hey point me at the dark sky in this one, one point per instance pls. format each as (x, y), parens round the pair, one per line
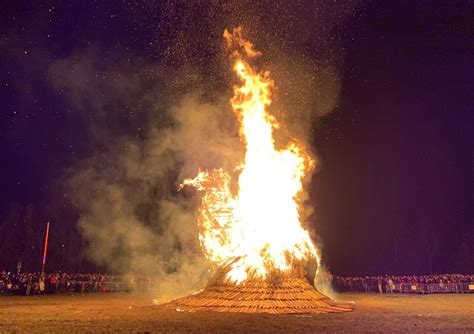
(394, 193)
(401, 170)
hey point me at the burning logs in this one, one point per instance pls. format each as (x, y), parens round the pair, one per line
(291, 295)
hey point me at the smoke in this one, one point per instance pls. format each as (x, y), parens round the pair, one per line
(149, 125)
(131, 215)
(323, 282)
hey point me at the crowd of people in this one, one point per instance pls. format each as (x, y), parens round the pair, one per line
(51, 283)
(38, 283)
(449, 283)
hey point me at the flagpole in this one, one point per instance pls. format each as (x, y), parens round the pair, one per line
(45, 246)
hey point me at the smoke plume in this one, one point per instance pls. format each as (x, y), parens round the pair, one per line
(150, 124)
(131, 213)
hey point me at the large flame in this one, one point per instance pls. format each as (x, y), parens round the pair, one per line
(258, 230)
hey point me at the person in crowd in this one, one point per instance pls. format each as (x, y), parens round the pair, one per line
(41, 285)
(29, 284)
(379, 284)
(390, 285)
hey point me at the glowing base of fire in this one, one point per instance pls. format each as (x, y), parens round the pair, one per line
(281, 295)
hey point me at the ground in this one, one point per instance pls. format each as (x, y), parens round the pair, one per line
(129, 312)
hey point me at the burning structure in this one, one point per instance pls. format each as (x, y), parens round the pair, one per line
(251, 231)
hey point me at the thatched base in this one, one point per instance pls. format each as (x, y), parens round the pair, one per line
(288, 296)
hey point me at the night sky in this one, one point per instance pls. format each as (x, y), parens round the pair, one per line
(393, 193)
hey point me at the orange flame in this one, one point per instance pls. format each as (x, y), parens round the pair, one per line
(258, 230)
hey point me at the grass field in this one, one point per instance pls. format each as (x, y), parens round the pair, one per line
(123, 312)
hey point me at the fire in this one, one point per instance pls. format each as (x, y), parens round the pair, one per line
(256, 231)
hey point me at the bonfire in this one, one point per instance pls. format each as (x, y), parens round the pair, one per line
(253, 236)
